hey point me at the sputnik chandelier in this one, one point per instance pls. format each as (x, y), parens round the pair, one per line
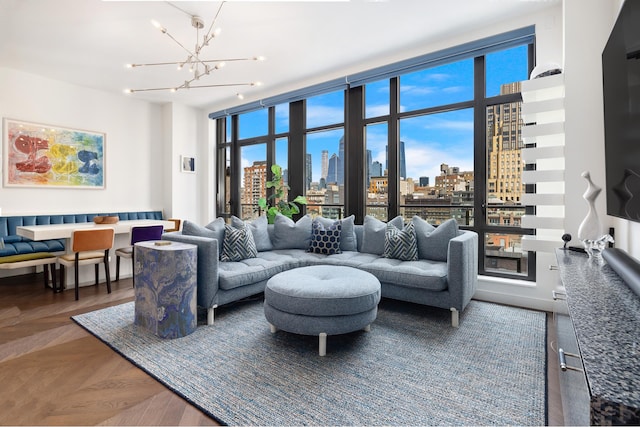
(198, 66)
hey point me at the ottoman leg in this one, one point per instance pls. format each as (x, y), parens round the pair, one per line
(272, 328)
(322, 344)
(367, 328)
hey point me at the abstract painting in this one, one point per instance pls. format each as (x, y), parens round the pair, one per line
(37, 155)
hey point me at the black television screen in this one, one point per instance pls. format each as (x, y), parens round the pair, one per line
(621, 84)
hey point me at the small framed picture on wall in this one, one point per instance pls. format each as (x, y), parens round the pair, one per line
(188, 164)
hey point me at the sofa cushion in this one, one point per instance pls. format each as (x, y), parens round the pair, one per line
(253, 270)
(434, 244)
(238, 243)
(291, 235)
(348, 240)
(325, 240)
(259, 229)
(374, 234)
(213, 230)
(421, 274)
(236, 274)
(401, 244)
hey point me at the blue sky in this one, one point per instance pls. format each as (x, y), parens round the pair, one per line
(429, 140)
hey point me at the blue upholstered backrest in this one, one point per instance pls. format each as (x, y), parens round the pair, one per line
(8, 224)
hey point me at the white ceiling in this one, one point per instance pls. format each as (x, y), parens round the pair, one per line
(88, 42)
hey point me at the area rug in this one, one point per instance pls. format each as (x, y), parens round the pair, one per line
(412, 368)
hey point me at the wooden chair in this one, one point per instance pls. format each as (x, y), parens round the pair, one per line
(176, 226)
(89, 247)
(138, 234)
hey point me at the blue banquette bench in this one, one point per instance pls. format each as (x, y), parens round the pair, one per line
(12, 245)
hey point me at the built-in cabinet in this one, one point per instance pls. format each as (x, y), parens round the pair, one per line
(600, 338)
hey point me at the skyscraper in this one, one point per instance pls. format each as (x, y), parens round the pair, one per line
(403, 162)
(309, 171)
(340, 169)
(324, 167)
(332, 172)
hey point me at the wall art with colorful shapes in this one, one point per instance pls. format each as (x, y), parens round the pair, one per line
(38, 155)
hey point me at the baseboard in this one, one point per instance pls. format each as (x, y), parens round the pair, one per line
(515, 300)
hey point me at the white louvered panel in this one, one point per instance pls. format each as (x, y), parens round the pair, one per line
(530, 155)
(534, 243)
(531, 177)
(531, 132)
(534, 221)
(543, 88)
(537, 199)
(546, 111)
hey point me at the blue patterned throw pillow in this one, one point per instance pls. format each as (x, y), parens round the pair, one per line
(325, 239)
(238, 243)
(401, 244)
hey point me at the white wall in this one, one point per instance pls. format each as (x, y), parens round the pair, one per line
(143, 145)
(132, 131)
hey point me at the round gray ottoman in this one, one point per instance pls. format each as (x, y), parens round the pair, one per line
(321, 300)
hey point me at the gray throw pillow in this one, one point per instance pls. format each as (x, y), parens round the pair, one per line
(373, 234)
(325, 240)
(434, 244)
(238, 244)
(348, 239)
(259, 230)
(401, 244)
(291, 235)
(213, 231)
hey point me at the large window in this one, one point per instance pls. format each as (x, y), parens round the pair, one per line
(439, 141)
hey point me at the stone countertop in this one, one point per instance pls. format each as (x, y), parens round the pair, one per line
(606, 318)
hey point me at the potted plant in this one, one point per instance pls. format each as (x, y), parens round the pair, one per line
(275, 202)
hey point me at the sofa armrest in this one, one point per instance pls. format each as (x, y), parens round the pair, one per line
(207, 265)
(462, 268)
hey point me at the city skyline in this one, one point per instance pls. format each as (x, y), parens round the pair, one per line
(429, 140)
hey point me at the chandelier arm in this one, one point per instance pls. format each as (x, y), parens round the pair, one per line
(215, 18)
(190, 87)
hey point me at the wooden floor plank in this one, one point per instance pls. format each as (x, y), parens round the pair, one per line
(53, 372)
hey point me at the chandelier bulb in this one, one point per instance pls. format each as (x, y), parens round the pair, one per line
(128, 91)
(240, 96)
(158, 26)
(259, 58)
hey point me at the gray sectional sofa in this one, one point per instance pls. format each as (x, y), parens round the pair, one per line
(441, 269)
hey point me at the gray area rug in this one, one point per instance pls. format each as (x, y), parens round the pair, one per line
(412, 368)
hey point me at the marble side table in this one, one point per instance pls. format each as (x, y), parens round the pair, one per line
(165, 287)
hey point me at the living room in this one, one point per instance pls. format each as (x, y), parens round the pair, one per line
(145, 140)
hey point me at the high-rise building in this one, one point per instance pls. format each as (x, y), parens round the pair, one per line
(375, 169)
(402, 171)
(308, 171)
(424, 181)
(504, 140)
(340, 169)
(332, 170)
(255, 178)
(324, 167)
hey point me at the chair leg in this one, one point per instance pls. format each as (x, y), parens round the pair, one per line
(106, 270)
(77, 271)
(133, 269)
(46, 276)
(97, 274)
(53, 278)
(117, 268)
(62, 278)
